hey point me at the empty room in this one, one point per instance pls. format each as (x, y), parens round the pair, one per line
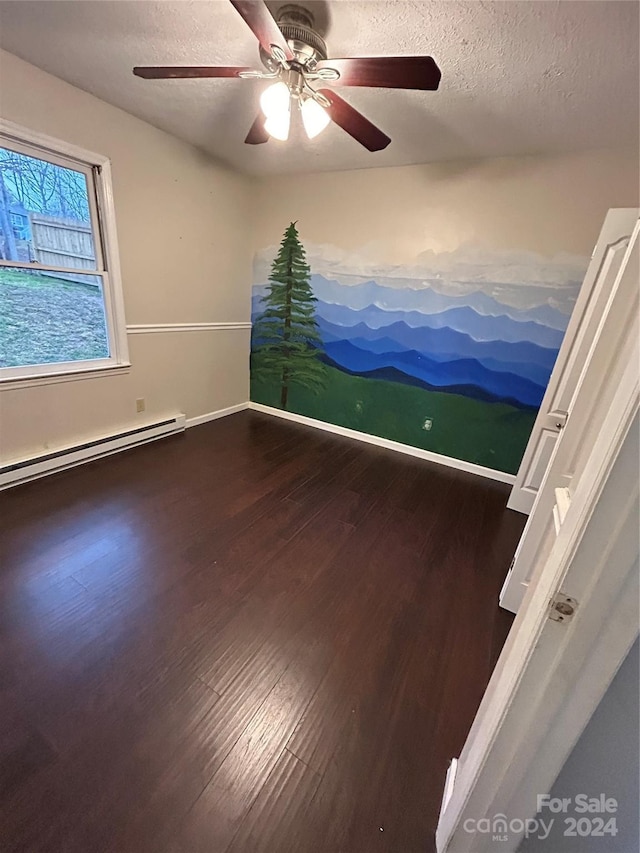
(319, 400)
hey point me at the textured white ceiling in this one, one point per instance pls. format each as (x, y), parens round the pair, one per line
(517, 77)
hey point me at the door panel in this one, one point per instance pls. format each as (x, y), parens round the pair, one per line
(540, 461)
(577, 349)
(601, 369)
(587, 314)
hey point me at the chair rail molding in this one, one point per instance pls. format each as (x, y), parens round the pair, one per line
(157, 328)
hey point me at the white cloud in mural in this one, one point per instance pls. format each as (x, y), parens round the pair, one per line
(518, 278)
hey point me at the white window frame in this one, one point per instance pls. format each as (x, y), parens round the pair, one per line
(97, 170)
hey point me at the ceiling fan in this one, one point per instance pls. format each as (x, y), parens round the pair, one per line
(295, 58)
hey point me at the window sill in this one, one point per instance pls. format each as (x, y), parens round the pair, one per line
(18, 382)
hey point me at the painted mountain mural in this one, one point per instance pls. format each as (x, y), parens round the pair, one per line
(451, 353)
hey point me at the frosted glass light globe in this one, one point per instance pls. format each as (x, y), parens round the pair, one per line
(314, 117)
(275, 100)
(275, 103)
(277, 125)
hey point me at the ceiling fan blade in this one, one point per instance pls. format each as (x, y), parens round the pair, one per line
(262, 24)
(169, 72)
(389, 72)
(257, 134)
(355, 124)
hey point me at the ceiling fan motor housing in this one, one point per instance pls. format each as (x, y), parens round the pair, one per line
(296, 24)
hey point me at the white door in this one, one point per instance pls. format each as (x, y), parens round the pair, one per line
(554, 410)
(580, 614)
(594, 386)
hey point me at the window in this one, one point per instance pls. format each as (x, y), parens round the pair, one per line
(60, 294)
(19, 224)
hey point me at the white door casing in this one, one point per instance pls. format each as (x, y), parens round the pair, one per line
(552, 416)
(600, 370)
(552, 675)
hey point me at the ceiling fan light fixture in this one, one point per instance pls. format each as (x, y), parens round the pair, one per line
(314, 117)
(277, 125)
(275, 103)
(275, 100)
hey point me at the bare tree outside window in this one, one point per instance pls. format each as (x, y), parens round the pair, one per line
(44, 187)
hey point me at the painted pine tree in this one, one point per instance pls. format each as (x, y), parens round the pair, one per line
(286, 338)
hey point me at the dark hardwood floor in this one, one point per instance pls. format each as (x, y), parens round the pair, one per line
(253, 637)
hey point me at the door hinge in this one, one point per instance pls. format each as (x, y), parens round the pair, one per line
(563, 608)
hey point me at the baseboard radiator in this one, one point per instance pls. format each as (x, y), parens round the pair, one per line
(23, 470)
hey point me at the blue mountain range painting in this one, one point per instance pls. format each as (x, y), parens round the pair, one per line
(474, 347)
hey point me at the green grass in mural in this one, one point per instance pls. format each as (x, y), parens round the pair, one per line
(490, 434)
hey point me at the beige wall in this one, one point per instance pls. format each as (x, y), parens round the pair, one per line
(543, 204)
(183, 225)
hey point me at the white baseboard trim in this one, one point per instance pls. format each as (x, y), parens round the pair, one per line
(69, 456)
(429, 456)
(213, 416)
